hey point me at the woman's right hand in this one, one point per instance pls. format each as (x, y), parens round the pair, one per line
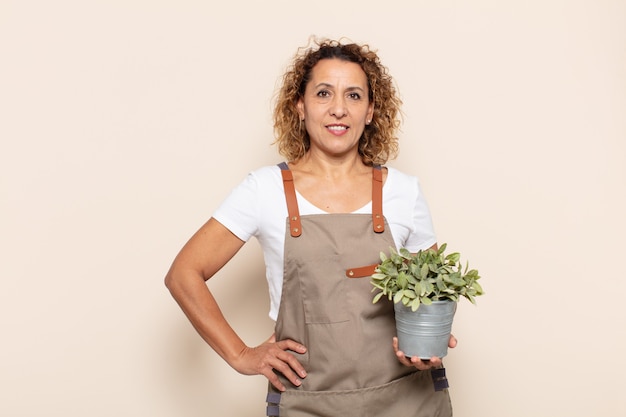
(272, 355)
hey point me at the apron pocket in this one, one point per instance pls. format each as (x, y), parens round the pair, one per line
(324, 302)
(409, 396)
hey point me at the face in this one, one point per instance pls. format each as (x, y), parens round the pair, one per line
(336, 107)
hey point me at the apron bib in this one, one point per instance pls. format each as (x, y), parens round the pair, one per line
(326, 305)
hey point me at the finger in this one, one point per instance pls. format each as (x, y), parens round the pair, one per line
(291, 360)
(452, 342)
(435, 362)
(275, 361)
(274, 380)
(296, 366)
(283, 366)
(415, 361)
(288, 344)
(422, 365)
(403, 359)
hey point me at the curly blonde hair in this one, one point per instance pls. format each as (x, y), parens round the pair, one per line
(379, 141)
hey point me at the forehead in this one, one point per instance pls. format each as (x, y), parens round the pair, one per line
(338, 72)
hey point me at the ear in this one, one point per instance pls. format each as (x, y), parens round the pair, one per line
(300, 108)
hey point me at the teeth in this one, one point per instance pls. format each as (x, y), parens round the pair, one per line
(337, 127)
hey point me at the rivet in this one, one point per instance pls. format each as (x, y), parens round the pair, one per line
(295, 230)
(294, 218)
(379, 227)
(378, 216)
(351, 273)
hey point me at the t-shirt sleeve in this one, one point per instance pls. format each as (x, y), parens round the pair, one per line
(423, 234)
(239, 211)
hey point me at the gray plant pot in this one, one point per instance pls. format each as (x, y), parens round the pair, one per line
(425, 332)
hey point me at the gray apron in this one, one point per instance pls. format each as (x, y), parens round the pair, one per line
(326, 305)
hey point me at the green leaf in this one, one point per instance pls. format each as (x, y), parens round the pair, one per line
(402, 280)
(378, 285)
(389, 269)
(419, 289)
(478, 288)
(453, 257)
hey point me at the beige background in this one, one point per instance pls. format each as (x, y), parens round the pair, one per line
(124, 123)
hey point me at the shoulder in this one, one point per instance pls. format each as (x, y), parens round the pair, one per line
(267, 172)
(400, 179)
(256, 183)
(261, 178)
(248, 206)
(403, 188)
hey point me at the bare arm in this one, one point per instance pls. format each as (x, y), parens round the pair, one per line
(208, 250)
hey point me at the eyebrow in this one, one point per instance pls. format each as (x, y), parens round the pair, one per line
(326, 85)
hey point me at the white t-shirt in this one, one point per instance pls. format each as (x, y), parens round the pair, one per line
(257, 207)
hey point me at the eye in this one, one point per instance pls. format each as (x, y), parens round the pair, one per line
(323, 93)
(354, 96)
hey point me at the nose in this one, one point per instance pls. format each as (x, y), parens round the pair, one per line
(338, 107)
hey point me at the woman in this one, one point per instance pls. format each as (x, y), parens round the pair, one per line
(322, 220)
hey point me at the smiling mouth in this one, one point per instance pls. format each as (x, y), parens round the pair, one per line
(338, 128)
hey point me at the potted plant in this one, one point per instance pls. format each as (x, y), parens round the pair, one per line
(425, 288)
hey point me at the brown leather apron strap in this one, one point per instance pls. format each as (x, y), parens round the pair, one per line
(295, 227)
(360, 272)
(378, 221)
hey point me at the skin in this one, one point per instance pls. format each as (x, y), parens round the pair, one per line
(335, 109)
(331, 175)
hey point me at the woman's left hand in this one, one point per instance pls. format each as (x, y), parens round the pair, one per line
(418, 363)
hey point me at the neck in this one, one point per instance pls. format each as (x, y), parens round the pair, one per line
(330, 167)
